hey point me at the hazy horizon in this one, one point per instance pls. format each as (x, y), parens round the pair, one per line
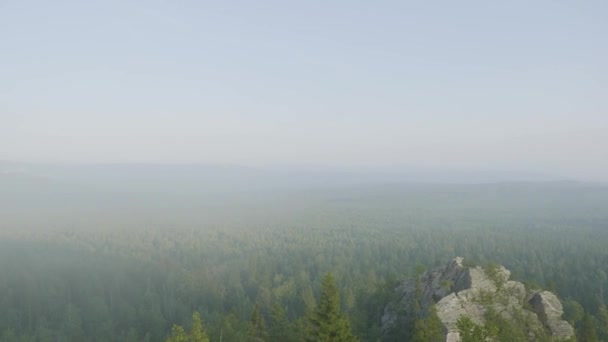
(303, 170)
(506, 88)
(271, 176)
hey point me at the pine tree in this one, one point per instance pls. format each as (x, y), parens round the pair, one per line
(257, 329)
(588, 333)
(279, 329)
(178, 334)
(429, 329)
(197, 334)
(573, 311)
(328, 323)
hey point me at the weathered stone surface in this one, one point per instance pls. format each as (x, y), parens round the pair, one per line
(452, 307)
(549, 310)
(457, 291)
(452, 336)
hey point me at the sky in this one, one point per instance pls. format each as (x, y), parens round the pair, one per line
(509, 85)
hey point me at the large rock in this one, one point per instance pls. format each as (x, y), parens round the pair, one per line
(459, 291)
(549, 310)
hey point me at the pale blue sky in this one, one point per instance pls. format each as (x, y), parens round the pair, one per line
(519, 85)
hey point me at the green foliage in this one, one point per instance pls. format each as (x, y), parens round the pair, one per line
(124, 279)
(178, 334)
(420, 269)
(588, 332)
(497, 328)
(468, 263)
(328, 323)
(197, 333)
(603, 322)
(492, 270)
(280, 329)
(485, 297)
(573, 311)
(516, 328)
(257, 330)
(470, 331)
(447, 284)
(429, 329)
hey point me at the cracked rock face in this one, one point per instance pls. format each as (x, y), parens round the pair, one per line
(457, 290)
(550, 311)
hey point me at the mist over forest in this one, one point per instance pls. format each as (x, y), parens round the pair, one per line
(303, 171)
(125, 252)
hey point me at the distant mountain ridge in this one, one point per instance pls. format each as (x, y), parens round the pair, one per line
(269, 176)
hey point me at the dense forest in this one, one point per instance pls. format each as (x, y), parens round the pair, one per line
(303, 171)
(263, 267)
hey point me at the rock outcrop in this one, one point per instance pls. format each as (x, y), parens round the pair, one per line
(550, 310)
(458, 291)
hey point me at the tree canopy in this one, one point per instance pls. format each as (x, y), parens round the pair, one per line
(328, 322)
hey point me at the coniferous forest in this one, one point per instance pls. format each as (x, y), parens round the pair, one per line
(314, 264)
(303, 171)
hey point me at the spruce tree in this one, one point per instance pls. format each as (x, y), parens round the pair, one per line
(197, 334)
(429, 329)
(279, 330)
(257, 328)
(589, 333)
(178, 334)
(328, 323)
